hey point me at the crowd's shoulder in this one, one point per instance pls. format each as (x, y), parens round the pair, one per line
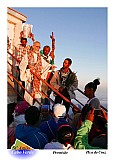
(53, 130)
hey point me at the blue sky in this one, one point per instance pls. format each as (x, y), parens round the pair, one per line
(81, 34)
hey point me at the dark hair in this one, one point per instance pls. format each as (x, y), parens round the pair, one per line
(65, 134)
(84, 111)
(69, 60)
(10, 110)
(23, 39)
(93, 84)
(32, 115)
(46, 47)
(99, 120)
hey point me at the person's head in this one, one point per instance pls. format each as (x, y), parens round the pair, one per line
(32, 115)
(59, 110)
(46, 50)
(36, 46)
(45, 110)
(99, 121)
(20, 108)
(84, 111)
(67, 63)
(10, 110)
(23, 42)
(65, 134)
(91, 87)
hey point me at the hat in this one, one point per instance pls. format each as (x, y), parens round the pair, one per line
(65, 134)
(20, 108)
(59, 110)
(45, 106)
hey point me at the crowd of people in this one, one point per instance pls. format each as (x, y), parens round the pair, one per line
(41, 127)
(44, 129)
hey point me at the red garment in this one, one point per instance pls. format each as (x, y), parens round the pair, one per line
(22, 51)
(21, 107)
(36, 67)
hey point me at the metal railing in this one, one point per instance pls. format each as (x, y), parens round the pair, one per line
(51, 87)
